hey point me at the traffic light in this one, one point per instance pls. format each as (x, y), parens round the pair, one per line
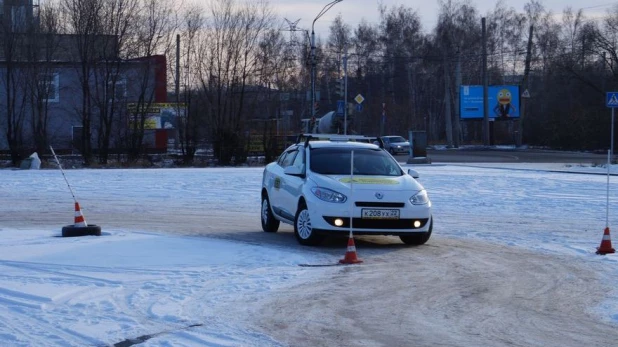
(339, 88)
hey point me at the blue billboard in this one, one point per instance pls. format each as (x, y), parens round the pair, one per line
(503, 102)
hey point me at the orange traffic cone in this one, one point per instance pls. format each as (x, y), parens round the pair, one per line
(606, 244)
(79, 217)
(350, 254)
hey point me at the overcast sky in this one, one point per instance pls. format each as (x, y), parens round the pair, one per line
(354, 10)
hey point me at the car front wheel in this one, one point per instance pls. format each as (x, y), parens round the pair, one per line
(269, 223)
(303, 230)
(417, 239)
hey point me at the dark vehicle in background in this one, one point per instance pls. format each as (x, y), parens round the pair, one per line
(396, 144)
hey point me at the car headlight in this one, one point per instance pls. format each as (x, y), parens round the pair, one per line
(420, 198)
(328, 195)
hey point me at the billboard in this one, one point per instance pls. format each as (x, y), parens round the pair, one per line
(158, 115)
(503, 102)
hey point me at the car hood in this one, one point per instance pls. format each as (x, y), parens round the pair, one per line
(363, 182)
(400, 143)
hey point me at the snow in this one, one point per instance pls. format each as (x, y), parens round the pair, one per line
(182, 260)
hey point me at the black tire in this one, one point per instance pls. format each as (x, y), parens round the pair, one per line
(269, 223)
(305, 235)
(72, 231)
(392, 151)
(417, 239)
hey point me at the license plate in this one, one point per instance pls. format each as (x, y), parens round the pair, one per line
(371, 213)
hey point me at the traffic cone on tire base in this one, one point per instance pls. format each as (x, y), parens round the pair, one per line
(80, 221)
(606, 244)
(80, 227)
(350, 254)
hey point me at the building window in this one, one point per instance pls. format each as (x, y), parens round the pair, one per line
(49, 87)
(18, 18)
(118, 90)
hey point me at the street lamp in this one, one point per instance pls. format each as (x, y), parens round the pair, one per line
(324, 10)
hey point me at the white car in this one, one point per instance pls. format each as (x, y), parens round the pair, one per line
(318, 183)
(396, 144)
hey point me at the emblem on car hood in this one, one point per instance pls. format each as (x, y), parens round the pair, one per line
(379, 195)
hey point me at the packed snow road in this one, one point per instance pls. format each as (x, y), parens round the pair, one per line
(511, 261)
(450, 293)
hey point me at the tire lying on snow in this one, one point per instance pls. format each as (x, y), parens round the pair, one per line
(71, 230)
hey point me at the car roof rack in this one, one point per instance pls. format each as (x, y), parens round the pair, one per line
(339, 138)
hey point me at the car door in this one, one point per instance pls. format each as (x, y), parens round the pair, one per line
(279, 185)
(273, 182)
(293, 185)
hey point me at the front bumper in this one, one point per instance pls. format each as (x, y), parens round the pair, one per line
(389, 224)
(323, 220)
(376, 226)
(401, 150)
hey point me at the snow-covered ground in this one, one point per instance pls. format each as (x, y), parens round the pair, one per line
(182, 261)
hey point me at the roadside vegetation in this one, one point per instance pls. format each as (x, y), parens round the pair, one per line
(244, 73)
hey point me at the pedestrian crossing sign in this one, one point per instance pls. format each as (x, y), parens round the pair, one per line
(340, 107)
(611, 99)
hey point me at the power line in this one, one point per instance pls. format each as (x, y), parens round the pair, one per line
(597, 6)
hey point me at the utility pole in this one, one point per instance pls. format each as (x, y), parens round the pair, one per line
(524, 84)
(312, 73)
(324, 10)
(447, 102)
(177, 88)
(177, 133)
(457, 98)
(293, 28)
(345, 90)
(485, 84)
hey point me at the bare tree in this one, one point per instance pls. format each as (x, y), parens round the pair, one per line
(14, 55)
(188, 125)
(153, 35)
(118, 20)
(84, 19)
(456, 35)
(43, 52)
(506, 43)
(401, 38)
(605, 41)
(332, 67)
(227, 64)
(365, 54)
(275, 75)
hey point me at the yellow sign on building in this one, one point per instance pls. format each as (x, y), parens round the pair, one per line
(157, 115)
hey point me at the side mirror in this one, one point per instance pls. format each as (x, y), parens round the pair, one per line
(294, 171)
(413, 173)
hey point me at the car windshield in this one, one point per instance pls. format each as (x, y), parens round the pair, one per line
(367, 161)
(396, 139)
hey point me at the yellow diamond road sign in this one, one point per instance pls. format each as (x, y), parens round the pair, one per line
(359, 99)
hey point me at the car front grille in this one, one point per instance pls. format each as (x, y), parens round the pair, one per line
(362, 223)
(379, 204)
